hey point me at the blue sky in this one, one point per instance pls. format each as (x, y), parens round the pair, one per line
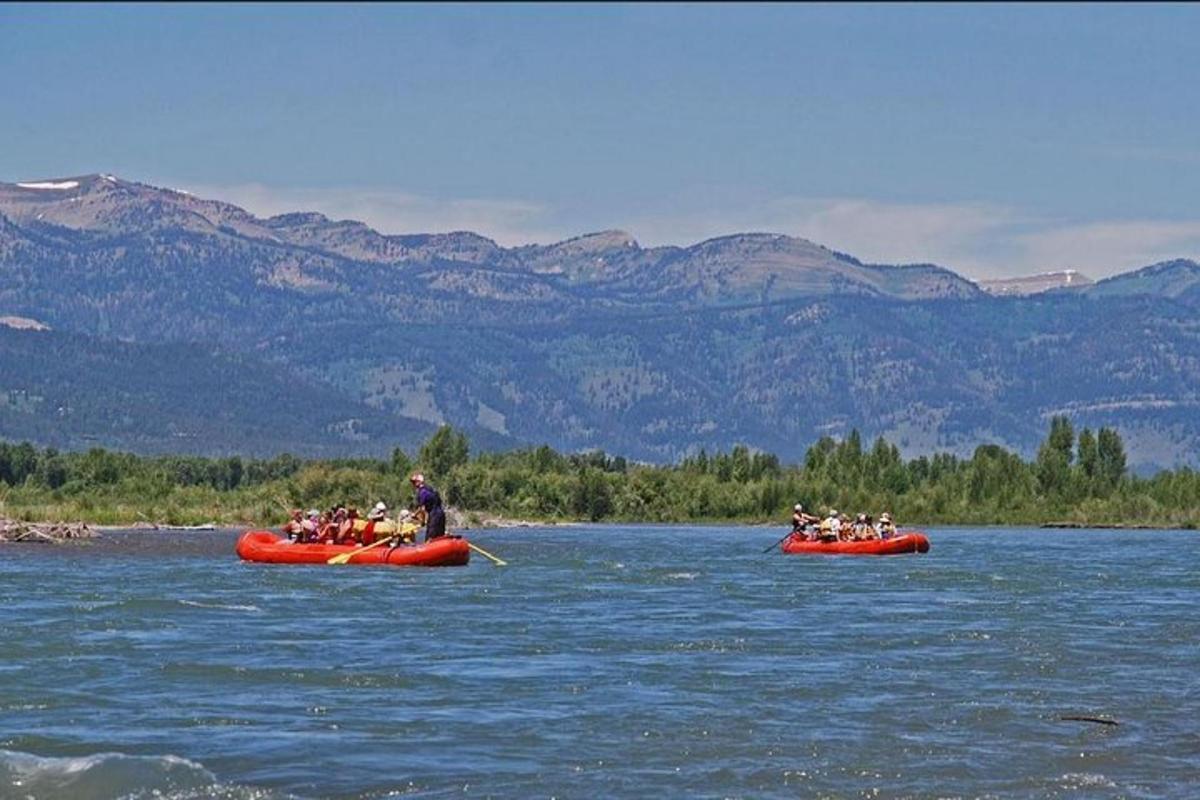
(991, 139)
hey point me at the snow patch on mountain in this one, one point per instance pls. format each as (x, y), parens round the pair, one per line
(50, 185)
(23, 324)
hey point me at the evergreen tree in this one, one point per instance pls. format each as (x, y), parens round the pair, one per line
(741, 463)
(1110, 457)
(1062, 437)
(1089, 461)
(1054, 457)
(400, 463)
(444, 451)
(1088, 454)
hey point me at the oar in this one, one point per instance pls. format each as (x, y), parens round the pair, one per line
(781, 541)
(499, 562)
(344, 557)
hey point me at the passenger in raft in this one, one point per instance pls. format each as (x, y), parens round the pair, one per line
(801, 522)
(376, 516)
(345, 533)
(885, 527)
(311, 527)
(328, 527)
(293, 529)
(871, 532)
(831, 527)
(337, 521)
(429, 508)
(862, 528)
(845, 529)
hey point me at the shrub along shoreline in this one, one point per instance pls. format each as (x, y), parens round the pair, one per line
(1074, 480)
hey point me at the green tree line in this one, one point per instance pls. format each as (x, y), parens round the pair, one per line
(1080, 478)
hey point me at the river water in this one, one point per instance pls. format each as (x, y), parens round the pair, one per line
(606, 661)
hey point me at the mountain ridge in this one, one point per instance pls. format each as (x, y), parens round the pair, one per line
(755, 338)
(742, 264)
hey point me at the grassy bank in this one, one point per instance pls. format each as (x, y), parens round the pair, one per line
(1080, 480)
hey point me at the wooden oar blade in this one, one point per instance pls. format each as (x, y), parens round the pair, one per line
(499, 562)
(342, 558)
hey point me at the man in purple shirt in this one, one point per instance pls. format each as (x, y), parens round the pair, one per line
(429, 504)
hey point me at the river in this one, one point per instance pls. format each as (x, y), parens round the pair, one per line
(605, 661)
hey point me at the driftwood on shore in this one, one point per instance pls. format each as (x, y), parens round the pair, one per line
(12, 530)
(163, 526)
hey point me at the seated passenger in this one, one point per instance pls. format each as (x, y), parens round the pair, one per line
(376, 517)
(346, 531)
(845, 529)
(293, 529)
(869, 531)
(802, 523)
(337, 525)
(859, 530)
(886, 528)
(326, 529)
(831, 527)
(311, 526)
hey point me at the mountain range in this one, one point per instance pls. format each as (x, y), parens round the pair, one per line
(335, 338)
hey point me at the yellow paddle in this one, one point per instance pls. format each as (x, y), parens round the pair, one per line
(498, 561)
(342, 558)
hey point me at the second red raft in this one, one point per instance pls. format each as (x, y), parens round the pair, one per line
(264, 546)
(911, 542)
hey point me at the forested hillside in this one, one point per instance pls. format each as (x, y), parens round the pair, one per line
(757, 339)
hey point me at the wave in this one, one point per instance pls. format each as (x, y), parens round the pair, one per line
(198, 604)
(683, 576)
(114, 776)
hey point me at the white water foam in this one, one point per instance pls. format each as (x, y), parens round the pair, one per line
(100, 776)
(222, 606)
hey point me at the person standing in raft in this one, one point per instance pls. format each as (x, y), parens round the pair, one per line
(429, 508)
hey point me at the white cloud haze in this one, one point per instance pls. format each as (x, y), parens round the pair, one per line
(509, 222)
(976, 239)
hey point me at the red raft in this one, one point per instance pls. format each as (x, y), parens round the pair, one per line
(447, 551)
(911, 542)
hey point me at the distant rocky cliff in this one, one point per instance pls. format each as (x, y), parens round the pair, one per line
(1036, 284)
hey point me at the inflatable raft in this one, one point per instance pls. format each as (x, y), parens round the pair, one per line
(264, 546)
(910, 542)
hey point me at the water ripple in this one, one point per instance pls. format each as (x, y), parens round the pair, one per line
(606, 661)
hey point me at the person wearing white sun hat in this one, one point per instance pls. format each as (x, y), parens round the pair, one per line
(885, 526)
(801, 521)
(831, 526)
